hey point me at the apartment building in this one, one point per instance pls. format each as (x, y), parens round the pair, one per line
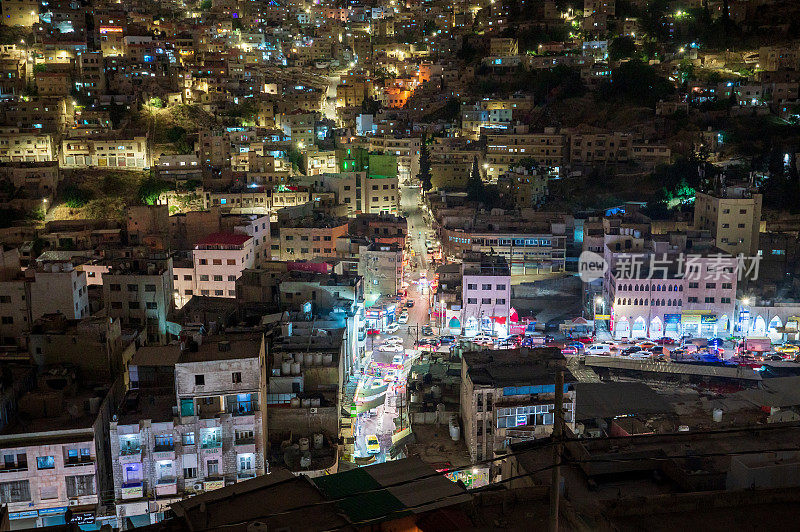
(666, 290)
(36, 179)
(298, 126)
(117, 150)
(17, 146)
(53, 461)
(201, 434)
(381, 228)
(362, 193)
(310, 238)
(381, 266)
(733, 215)
(406, 150)
(503, 46)
(39, 114)
(523, 187)
(508, 396)
(219, 260)
(485, 294)
(20, 12)
(599, 148)
(57, 287)
(504, 151)
(319, 162)
(140, 293)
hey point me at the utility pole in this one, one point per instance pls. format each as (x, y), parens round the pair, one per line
(558, 426)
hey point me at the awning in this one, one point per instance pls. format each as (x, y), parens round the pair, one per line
(580, 321)
(513, 316)
(499, 319)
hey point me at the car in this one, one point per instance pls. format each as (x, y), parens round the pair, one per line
(665, 340)
(397, 359)
(373, 445)
(787, 349)
(569, 350)
(641, 355)
(427, 330)
(409, 303)
(646, 344)
(403, 319)
(598, 349)
(394, 340)
(629, 350)
(393, 328)
(373, 332)
(585, 339)
(391, 375)
(428, 342)
(481, 339)
(392, 348)
(447, 340)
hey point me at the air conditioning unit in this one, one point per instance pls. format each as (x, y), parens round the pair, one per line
(198, 486)
(73, 502)
(312, 410)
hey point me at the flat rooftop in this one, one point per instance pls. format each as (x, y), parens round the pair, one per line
(228, 347)
(515, 367)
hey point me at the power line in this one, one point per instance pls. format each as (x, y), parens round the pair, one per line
(543, 445)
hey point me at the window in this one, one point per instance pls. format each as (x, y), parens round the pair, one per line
(116, 287)
(245, 462)
(151, 305)
(80, 485)
(709, 300)
(217, 262)
(472, 300)
(48, 492)
(163, 441)
(727, 286)
(188, 437)
(692, 300)
(213, 467)
(204, 277)
(199, 380)
(7, 320)
(471, 286)
(203, 261)
(725, 300)
(711, 285)
(133, 304)
(187, 277)
(236, 377)
(219, 292)
(189, 472)
(231, 278)
(501, 301)
(45, 462)
(218, 278)
(694, 285)
(231, 262)
(149, 288)
(501, 287)
(486, 301)
(486, 287)
(133, 288)
(16, 491)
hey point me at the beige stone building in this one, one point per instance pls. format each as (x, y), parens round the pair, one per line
(733, 217)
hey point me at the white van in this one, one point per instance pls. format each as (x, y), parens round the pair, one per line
(598, 349)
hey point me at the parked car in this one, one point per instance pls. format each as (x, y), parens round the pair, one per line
(646, 344)
(392, 348)
(409, 303)
(641, 355)
(569, 350)
(585, 339)
(665, 340)
(427, 330)
(373, 332)
(373, 445)
(629, 350)
(393, 328)
(403, 319)
(447, 340)
(481, 339)
(788, 349)
(397, 359)
(394, 340)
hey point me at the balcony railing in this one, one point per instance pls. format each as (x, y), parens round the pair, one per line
(129, 451)
(247, 408)
(163, 448)
(76, 463)
(211, 445)
(245, 441)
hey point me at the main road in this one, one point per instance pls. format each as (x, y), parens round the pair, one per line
(381, 420)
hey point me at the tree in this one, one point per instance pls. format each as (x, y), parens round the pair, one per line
(475, 183)
(623, 47)
(424, 175)
(636, 82)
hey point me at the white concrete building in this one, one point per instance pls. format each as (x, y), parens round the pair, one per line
(485, 295)
(219, 260)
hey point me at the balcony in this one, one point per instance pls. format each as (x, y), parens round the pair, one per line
(241, 476)
(13, 469)
(132, 490)
(247, 408)
(130, 455)
(166, 486)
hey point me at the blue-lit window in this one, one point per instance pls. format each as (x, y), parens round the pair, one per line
(223, 201)
(45, 462)
(148, 59)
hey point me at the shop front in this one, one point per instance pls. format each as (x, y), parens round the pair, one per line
(380, 316)
(672, 325)
(699, 323)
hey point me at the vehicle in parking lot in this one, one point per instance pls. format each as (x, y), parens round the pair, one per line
(646, 344)
(481, 339)
(641, 355)
(397, 359)
(403, 319)
(447, 340)
(391, 348)
(665, 340)
(373, 445)
(585, 339)
(394, 340)
(409, 303)
(393, 328)
(431, 343)
(427, 330)
(569, 350)
(629, 350)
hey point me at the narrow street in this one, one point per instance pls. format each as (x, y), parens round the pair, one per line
(380, 421)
